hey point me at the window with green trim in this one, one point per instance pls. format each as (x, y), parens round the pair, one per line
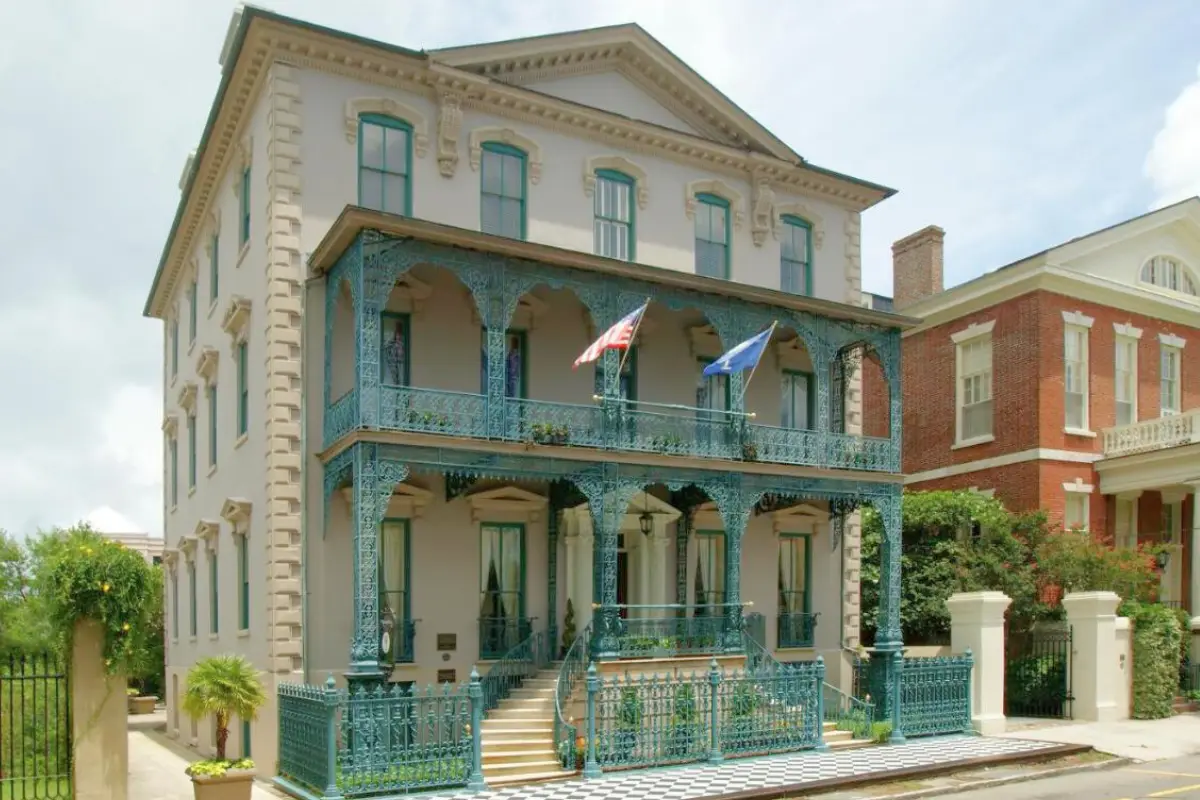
(243, 389)
(174, 345)
(395, 603)
(214, 265)
(243, 559)
(795, 256)
(214, 605)
(191, 446)
(385, 164)
(502, 193)
(244, 209)
(796, 404)
(395, 343)
(712, 394)
(614, 221)
(174, 605)
(795, 581)
(502, 587)
(627, 383)
(192, 300)
(191, 570)
(712, 236)
(516, 364)
(246, 738)
(211, 397)
(708, 573)
(173, 452)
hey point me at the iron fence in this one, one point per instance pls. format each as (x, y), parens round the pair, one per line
(935, 695)
(35, 728)
(1037, 675)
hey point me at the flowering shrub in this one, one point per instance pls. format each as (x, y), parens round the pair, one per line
(89, 577)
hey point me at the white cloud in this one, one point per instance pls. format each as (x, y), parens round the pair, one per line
(1173, 164)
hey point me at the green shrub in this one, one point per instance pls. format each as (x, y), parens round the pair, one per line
(881, 732)
(1036, 684)
(1156, 658)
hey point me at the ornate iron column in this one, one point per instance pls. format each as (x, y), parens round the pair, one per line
(735, 504)
(886, 656)
(375, 479)
(608, 496)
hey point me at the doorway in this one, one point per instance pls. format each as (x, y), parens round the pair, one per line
(623, 582)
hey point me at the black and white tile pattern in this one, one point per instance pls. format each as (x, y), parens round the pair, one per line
(714, 780)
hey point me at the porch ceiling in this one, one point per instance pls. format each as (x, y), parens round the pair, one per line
(1174, 467)
(354, 220)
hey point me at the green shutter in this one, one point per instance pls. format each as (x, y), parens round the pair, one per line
(243, 390)
(244, 209)
(214, 617)
(191, 445)
(214, 265)
(192, 300)
(212, 425)
(243, 555)
(173, 448)
(192, 598)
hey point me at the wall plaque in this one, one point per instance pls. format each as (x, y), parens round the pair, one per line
(447, 641)
(447, 676)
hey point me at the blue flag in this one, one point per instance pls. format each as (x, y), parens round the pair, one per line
(742, 357)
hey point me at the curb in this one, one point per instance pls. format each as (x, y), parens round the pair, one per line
(1112, 763)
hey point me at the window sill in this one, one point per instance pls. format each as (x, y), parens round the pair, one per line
(972, 442)
(245, 248)
(212, 637)
(1079, 432)
(241, 440)
(212, 470)
(191, 640)
(174, 376)
(191, 346)
(172, 509)
(244, 634)
(212, 306)
(191, 491)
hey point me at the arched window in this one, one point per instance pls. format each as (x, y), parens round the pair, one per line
(502, 193)
(384, 164)
(613, 215)
(1168, 273)
(795, 255)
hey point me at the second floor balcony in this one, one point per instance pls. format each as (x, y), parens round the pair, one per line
(453, 336)
(1150, 435)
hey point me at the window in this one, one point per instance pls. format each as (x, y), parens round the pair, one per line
(712, 236)
(975, 389)
(191, 570)
(384, 159)
(502, 621)
(394, 606)
(191, 446)
(214, 262)
(713, 392)
(613, 225)
(794, 621)
(214, 617)
(515, 364)
(1169, 381)
(245, 738)
(795, 256)
(1075, 377)
(243, 559)
(173, 451)
(211, 396)
(627, 383)
(174, 605)
(394, 349)
(1168, 273)
(709, 572)
(797, 401)
(1127, 523)
(174, 345)
(1075, 513)
(502, 195)
(192, 300)
(243, 390)
(244, 208)
(1125, 380)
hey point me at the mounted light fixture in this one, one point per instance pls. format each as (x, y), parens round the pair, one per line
(1163, 557)
(646, 520)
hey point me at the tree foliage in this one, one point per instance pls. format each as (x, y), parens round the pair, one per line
(223, 686)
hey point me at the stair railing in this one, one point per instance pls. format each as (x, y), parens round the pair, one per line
(570, 674)
(521, 662)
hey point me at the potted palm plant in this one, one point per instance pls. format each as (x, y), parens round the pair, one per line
(224, 687)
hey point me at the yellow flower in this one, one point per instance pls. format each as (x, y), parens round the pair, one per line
(105, 587)
(125, 627)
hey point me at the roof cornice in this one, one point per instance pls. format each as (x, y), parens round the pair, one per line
(263, 37)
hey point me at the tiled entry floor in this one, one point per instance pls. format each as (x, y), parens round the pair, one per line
(747, 775)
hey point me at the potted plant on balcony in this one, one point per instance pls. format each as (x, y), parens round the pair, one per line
(547, 433)
(749, 451)
(224, 687)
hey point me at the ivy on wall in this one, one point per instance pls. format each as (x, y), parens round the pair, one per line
(1156, 658)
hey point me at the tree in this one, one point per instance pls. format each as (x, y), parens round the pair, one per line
(224, 686)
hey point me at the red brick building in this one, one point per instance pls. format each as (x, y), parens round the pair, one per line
(1069, 381)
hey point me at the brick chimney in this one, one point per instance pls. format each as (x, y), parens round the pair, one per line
(917, 266)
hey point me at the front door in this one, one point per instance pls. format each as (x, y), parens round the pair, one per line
(623, 582)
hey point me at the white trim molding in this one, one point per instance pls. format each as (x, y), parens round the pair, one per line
(1078, 318)
(720, 189)
(1008, 459)
(407, 501)
(492, 505)
(1078, 486)
(617, 164)
(497, 133)
(236, 319)
(1171, 340)
(973, 330)
(357, 106)
(1127, 330)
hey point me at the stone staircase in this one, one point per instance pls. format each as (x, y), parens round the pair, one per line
(518, 735)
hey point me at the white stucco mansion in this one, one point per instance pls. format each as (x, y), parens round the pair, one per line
(379, 462)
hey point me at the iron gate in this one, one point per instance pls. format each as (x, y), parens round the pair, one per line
(1037, 673)
(35, 728)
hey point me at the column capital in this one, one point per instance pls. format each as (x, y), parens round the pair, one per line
(1091, 605)
(978, 607)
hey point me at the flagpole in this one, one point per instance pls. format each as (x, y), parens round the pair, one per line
(750, 377)
(632, 337)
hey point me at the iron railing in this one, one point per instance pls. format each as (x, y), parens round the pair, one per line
(1037, 673)
(498, 635)
(35, 728)
(935, 695)
(570, 674)
(849, 713)
(670, 629)
(516, 666)
(796, 630)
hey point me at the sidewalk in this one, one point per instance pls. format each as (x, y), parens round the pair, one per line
(1140, 740)
(156, 769)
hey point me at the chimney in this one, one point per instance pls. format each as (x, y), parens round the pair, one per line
(917, 266)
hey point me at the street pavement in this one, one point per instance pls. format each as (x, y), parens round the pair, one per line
(1177, 779)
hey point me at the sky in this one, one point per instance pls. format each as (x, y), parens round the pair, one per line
(1013, 124)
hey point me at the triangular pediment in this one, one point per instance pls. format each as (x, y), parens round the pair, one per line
(1121, 253)
(506, 500)
(623, 70)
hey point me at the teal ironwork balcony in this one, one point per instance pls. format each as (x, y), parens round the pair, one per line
(796, 629)
(657, 631)
(619, 425)
(499, 635)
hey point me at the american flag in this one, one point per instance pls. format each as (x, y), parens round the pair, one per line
(617, 337)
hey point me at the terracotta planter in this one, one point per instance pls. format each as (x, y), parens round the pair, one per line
(236, 784)
(142, 704)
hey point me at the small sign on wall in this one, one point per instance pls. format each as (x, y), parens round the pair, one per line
(447, 676)
(447, 641)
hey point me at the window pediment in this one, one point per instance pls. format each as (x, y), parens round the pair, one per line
(816, 224)
(408, 501)
(187, 396)
(496, 133)
(704, 341)
(236, 511)
(506, 500)
(617, 164)
(802, 518)
(187, 546)
(206, 365)
(236, 318)
(207, 531)
(388, 107)
(170, 424)
(170, 559)
(721, 189)
(579, 518)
